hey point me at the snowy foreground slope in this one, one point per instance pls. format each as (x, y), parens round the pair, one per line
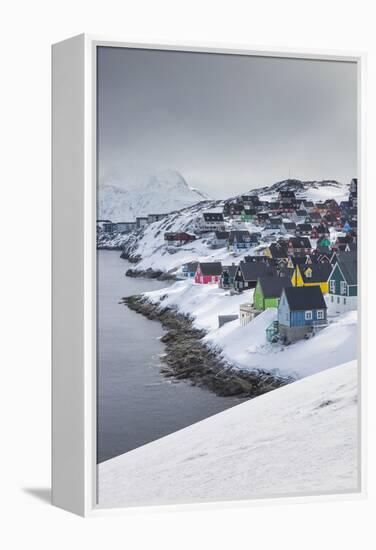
(246, 346)
(298, 439)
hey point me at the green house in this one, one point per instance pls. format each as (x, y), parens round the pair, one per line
(343, 283)
(248, 214)
(268, 291)
(324, 242)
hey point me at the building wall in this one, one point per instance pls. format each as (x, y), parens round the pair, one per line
(283, 312)
(341, 304)
(336, 276)
(258, 298)
(271, 302)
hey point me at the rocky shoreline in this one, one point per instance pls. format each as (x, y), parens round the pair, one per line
(188, 358)
(151, 274)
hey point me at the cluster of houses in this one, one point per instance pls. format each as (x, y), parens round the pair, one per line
(286, 216)
(302, 273)
(303, 288)
(107, 226)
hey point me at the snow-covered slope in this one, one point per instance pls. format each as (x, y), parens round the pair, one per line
(298, 439)
(149, 245)
(246, 347)
(311, 190)
(164, 192)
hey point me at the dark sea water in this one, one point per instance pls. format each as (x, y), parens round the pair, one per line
(136, 404)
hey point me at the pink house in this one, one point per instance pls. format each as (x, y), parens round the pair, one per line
(209, 272)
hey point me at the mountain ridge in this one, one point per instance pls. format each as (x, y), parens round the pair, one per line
(164, 192)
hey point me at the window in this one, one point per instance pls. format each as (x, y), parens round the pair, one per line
(332, 286)
(308, 315)
(344, 301)
(332, 299)
(320, 314)
(338, 300)
(343, 288)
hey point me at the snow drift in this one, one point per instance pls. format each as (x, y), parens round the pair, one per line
(245, 346)
(297, 440)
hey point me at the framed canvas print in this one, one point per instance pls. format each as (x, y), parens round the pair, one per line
(207, 229)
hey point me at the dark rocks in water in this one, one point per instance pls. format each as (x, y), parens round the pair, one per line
(150, 274)
(126, 256)
(189, 358)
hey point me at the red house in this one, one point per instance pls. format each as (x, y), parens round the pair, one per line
(177, 239)
(209, 272)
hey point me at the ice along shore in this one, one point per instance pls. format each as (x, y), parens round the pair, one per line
(187, 357)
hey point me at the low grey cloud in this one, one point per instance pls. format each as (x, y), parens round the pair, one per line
(228, 123)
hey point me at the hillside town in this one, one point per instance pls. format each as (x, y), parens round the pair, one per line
(301, 271)
(291, 256)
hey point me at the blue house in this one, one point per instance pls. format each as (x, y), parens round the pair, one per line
(239, 241)
(301, 311)
(346, 228)
(189, 270)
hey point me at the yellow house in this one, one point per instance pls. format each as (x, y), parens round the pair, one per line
(312, 275)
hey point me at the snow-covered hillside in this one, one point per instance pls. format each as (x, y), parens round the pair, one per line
(298, 439)
(246, 347)
(164, 192)
(310, 190)
(149, 245)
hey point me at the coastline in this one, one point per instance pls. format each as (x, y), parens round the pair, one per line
(188, 358)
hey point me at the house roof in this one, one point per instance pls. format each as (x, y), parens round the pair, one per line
(278, 250)
(222, 235)
(304, 227)
(300, 242)
(253, 270)
(301, 298)
(289, 225)
(262, 259)
(191, 266)
(350, 256)
(344, 240)
(322, 229)
(319, 272)
(211, 268)
(272, 286)
(231, 269)
(239, 237)
(287, 194)
(349, 270)
(249, 211)
(323, 250)
(213, 217)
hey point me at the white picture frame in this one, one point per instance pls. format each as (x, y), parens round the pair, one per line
(74, 265)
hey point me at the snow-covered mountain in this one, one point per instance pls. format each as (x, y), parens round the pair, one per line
(298, 439)
(164, 192)
(311, 190)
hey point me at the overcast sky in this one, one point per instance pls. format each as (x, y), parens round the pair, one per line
(227, 123)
